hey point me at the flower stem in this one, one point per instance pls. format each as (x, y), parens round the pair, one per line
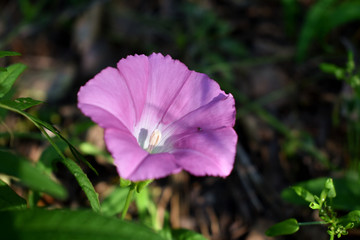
(128, 200)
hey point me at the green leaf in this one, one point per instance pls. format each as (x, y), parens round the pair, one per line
(314, 206)
(290, 11)
(329, 186)
(8, 53)
(342, 13)
(90, 149)
(29, 175)
(80, 176)
(306, 195)
(34, 224)
(125, 182)
(286, 227)
(147, 209)
(8, 78)
(143, 203)
(21, 103)
(2, 69)
(9, 200)
(84, 183)
(184, 234)
(78, 156)
(333, 69)
(73, 150)
(348, 194)
(142, 184)
(49, 157)
(313, 24)
(114, 202)
(351, 217)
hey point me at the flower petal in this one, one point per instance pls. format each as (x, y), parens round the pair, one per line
(218, 113)
(208, 152)
(134, 163)
(166, 78)
(135, 71)
(155, 166)
(203, 141)
(125, 150)
(106, 100)
(198, 90)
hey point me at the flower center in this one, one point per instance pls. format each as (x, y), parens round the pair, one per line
(154, 140)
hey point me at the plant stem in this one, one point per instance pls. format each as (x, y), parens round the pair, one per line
(311, 223)
(128, 200)
(332, 236)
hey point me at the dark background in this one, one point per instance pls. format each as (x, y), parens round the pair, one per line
(266, 53)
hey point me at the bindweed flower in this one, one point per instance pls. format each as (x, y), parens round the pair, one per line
(160, 118)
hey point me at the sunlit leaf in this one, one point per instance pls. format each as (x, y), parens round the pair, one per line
(333, 69)
(7, 78)
(37, 224)
(147, 209)
(303, 193)
(184, 234)
(125, 182)
(21, 103)
(142, 184)
(29, 175)
(329, 186)
(8, 53)
(348, 194)
(286, 227)
(90, 149)
(114, 202)
(9, 200)
(143, 202)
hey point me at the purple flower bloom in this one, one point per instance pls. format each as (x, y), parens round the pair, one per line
(160, 118)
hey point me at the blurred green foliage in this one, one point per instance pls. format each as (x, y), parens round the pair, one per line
(322, 17)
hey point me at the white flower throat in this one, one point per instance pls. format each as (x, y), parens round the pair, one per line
(154, 140)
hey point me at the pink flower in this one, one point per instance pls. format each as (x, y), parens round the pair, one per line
(160, 118)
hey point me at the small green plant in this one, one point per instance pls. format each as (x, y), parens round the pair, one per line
(337, 226)
(350, 105)
(325, 202)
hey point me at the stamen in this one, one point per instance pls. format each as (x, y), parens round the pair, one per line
(154, 140)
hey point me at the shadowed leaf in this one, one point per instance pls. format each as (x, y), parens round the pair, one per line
(8, 54)
(286, 227)
(184, 234)
(65, 224)
(29, 175)
(84, 183)
(21, 103)
(9, 200)
(8, 77)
